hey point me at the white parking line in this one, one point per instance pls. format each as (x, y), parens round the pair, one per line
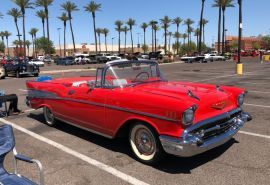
(259, 92)
(254, 105)
(253, 134)
(100, 165)
(23, 90)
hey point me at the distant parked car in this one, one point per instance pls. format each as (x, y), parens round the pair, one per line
(21, 68)
(213, 57)
(2, 73)
(155, 55)
(37, 62)
(81, 59)
(65, 61)
(47, 60)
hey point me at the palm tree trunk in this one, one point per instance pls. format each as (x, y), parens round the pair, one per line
(144, 41)
(219, 25)
(169, 43)
(200, 35)
(48, 26)
(203, 35)
(43, 28)
(18, 32)
(7, 46)
(177, 39)
(152, 39)
(106, 43)
(125, 41)
(197, 42)
(131, 37)
(155, 40)
(223, 32)
(165, 44)
(72, 34)
(119, 40)
(99, 44)
(65, 27)
(33, 46)
(24, 48)
(95, 33)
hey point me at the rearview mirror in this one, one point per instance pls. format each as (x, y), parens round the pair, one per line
(91, 84)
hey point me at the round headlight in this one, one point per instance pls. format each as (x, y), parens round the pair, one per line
(188, 117)
(240, 100)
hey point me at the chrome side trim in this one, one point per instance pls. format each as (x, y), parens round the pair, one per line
(52, 96)
(84, 128)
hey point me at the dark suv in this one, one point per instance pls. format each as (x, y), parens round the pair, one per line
(20, 68)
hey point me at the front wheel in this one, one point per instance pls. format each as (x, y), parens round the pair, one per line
(18, 74)
(145, 144)
(49, 117)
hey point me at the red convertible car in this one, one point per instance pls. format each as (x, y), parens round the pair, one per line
(132, 99)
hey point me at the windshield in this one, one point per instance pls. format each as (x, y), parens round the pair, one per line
(132, 73)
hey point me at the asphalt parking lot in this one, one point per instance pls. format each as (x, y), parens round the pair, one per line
(74, 156)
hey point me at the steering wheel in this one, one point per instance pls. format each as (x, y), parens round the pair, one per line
(142, 73)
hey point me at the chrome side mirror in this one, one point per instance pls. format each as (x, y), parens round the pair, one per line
(91, 84)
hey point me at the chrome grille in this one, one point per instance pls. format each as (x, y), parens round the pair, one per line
(29, 68)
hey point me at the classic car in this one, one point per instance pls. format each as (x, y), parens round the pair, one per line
(2, 73)
(132, 99)
(37, 62)
(20, 68)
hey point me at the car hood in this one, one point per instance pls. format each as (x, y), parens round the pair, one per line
(211, 100)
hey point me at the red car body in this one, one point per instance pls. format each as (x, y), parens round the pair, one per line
(160, 105)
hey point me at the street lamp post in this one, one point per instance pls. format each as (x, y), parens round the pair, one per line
(59, 41)
(239, 67)
(112, 44)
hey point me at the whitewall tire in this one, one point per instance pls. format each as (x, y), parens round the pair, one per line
(49, 117)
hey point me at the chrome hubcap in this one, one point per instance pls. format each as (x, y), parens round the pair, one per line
(49, 115)
(144, 142)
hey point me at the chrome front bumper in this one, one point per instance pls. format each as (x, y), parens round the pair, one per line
(192, 144)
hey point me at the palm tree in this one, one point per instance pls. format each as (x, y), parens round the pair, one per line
(204, 22)
(156, 28)
(190, 31)
(144, 27)
(177, 36)
(225, 4)
(131, 23)
(23, 4)
(218, 3)
(197, 34)
(165, 22)
(33, 33)
(105, 31)
(188, 23)
(7, 35)
(99, 31)
(153, 24)
(70, 7)
(45, 4)
(177, 21)
(119, 28)
(92, 7)
(16, 14)
(42, 15)
(28, 43)
(200, 35)
(2, 35)
(125, 30)
(170, 35)
(64, 18)
(184, 36)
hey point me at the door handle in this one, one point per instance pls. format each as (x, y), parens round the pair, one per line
(70, 92)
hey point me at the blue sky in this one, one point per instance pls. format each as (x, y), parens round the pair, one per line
(255, 17)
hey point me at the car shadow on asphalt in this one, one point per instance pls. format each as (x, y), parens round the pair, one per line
(170, 164)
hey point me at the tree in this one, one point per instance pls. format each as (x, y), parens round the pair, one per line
(188, 23)
(156, 28)
(204, 22)
(144, 27)
(44, 45)
(170, 35)
(45, 4)
(16, 14)
(2, 35)
(177, 21)
(105, 31)
(41, 14)
(197, 34)
(2, 47)
(23, 4)
(145, 48)
(70, 7)
(266, 42)
(33, 33)
(7, 35)
(190, 30)
(18, 52)
(225, 4)
(218, 3)
(64, 18)
(131, 23)
(153, 24)
(256, 45)
(119, 28)
(125, 30)
(184, 36)
(99, 31)
(165, 23)
(92, 7)
(177, 36)
(28, 43)
(201, 25)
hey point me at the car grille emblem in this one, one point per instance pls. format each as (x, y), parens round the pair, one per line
(219, 105)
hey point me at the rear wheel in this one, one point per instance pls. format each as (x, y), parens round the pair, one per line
(18, 74)
(49, 117)
(145, 144)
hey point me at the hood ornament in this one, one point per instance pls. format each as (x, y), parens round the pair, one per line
(220, 105)
(219, 89)
(190, 94)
